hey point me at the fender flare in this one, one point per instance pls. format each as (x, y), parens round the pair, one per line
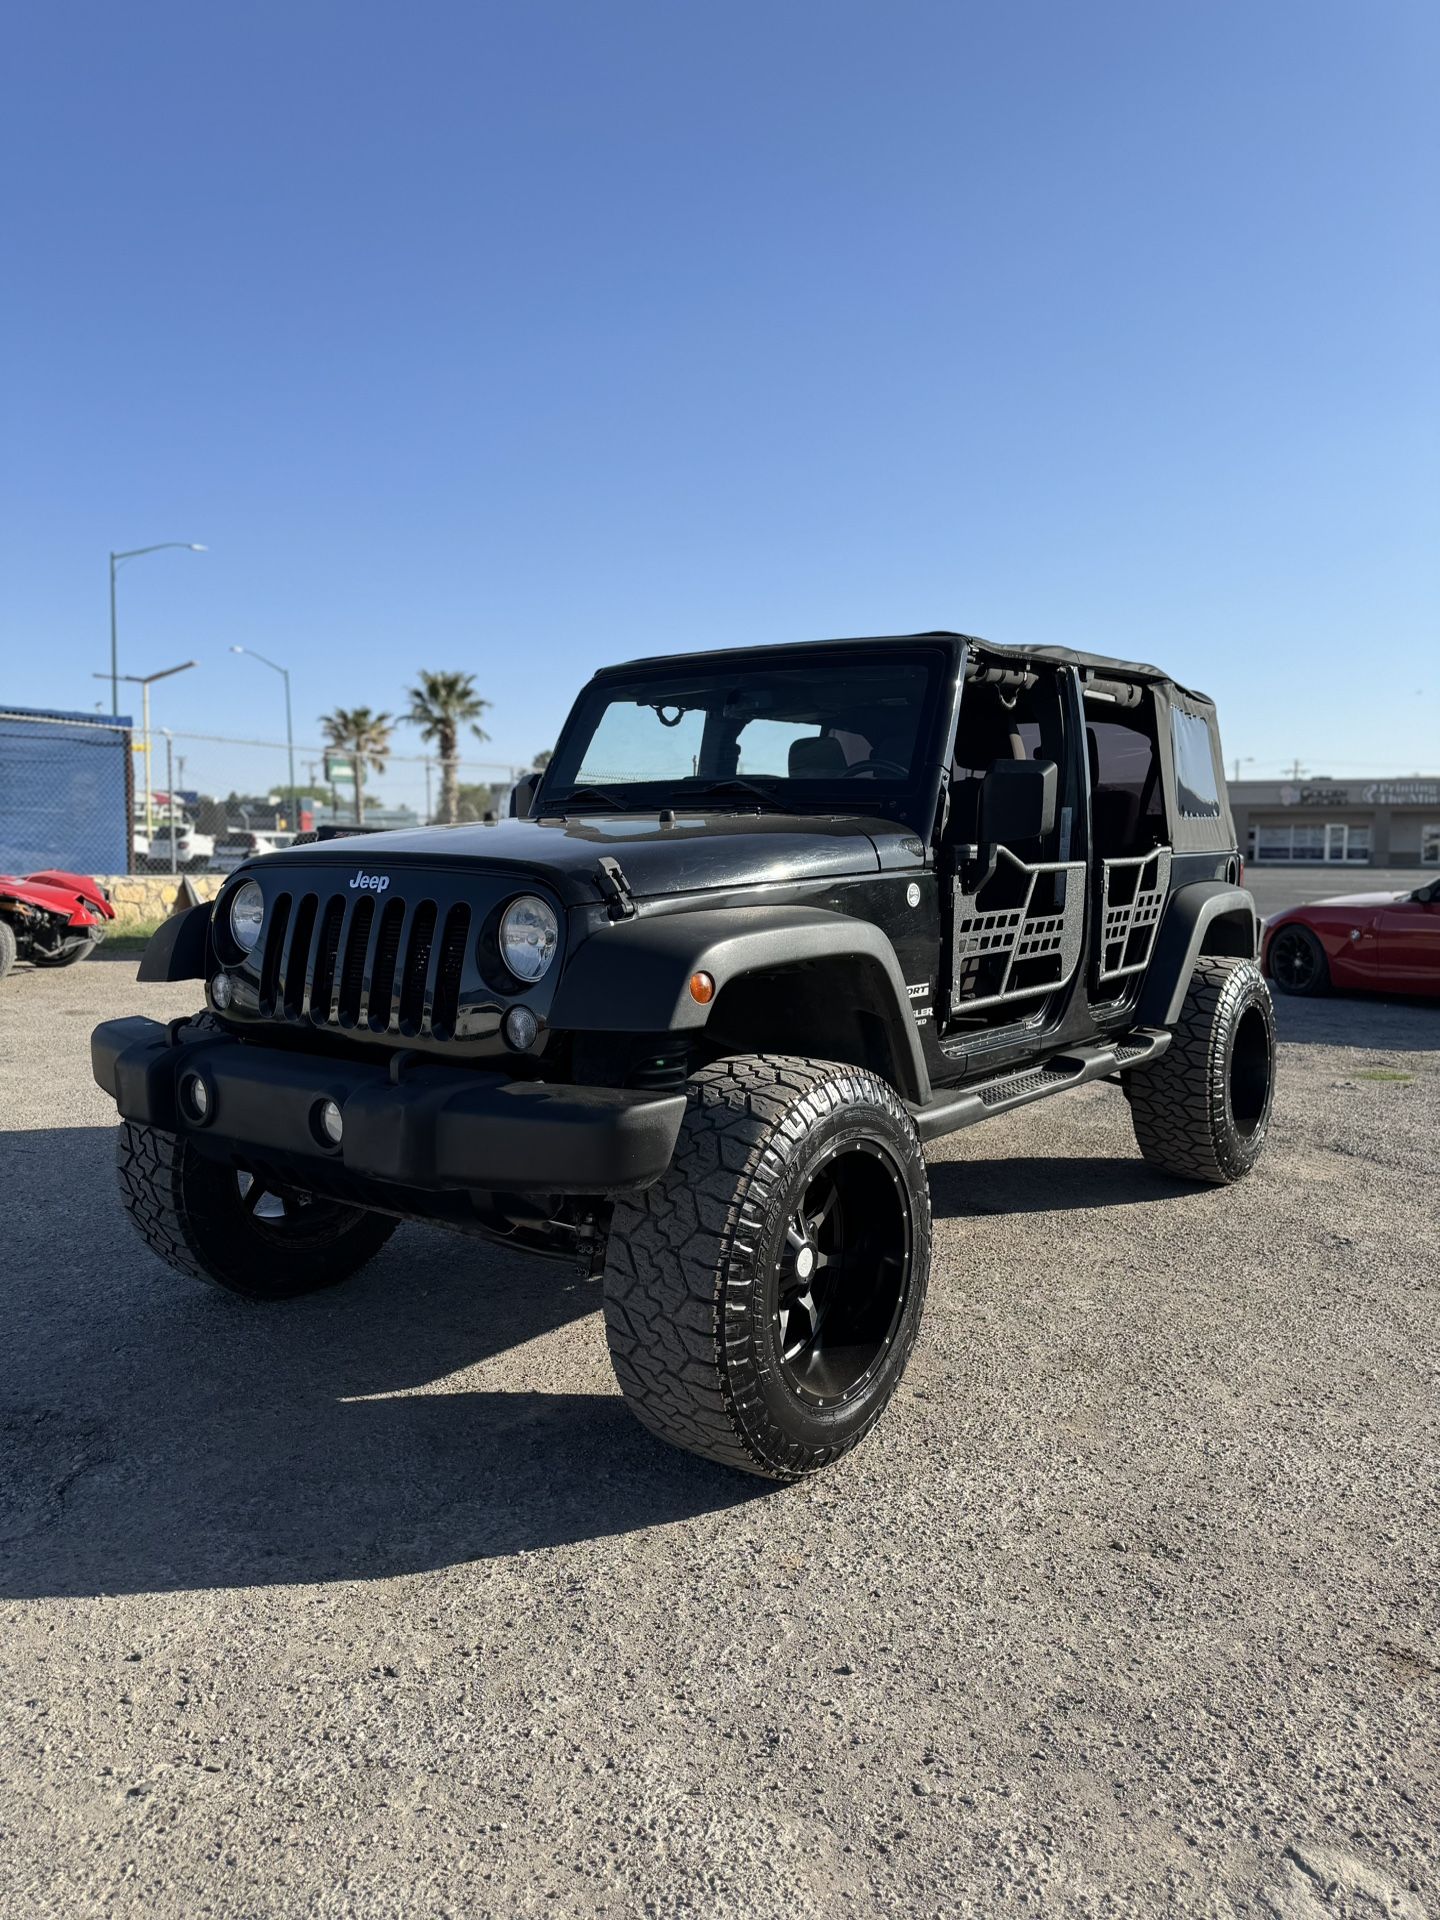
(1207, 916)
(634, 976)
(179, 947)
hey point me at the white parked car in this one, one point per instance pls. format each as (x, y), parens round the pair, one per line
(193, 850)
(232, 850)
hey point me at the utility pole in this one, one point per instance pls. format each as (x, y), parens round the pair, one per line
(1248, 761)
(1297, 772)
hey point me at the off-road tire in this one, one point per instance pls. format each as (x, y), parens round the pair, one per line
(190, 1211)
(1202, 1111)
(1317, 979)
(692, 1264)
(7, 948)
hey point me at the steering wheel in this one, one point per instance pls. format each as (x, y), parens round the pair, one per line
(877, 765)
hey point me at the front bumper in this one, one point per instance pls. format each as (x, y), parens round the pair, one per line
(436, 1129)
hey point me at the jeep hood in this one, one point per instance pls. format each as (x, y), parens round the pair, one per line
(698, 853)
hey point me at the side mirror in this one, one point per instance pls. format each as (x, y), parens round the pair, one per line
(521, 795)
(1017, 801)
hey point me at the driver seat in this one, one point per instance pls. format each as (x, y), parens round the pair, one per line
(820, 758)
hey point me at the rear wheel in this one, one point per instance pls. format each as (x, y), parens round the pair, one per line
(1202, 1111)
(763, 1297)
(1297, 961)
(247, 1234)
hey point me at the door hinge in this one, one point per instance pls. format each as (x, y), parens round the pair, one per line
(614, 888)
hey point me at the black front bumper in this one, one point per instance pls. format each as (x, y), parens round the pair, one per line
(436, 1129)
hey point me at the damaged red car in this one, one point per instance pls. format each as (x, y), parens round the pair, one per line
(51, 919)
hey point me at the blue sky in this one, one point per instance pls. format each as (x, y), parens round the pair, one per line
(520, 338)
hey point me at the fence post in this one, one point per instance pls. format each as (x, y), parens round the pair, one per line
(170, 791)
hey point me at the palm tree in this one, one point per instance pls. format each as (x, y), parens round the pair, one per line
(365, 736)
(440, 706)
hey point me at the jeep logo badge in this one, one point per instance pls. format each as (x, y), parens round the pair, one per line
(371, 882)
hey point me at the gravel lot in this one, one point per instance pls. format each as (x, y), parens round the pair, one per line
(379, 1604)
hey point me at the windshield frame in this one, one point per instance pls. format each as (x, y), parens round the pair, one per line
(912, 801)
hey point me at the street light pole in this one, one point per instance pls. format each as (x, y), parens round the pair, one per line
(116, 562)
(145, 681)
(284, 673)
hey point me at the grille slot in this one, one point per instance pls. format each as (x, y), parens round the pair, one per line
(327, 953)
(387, 953)
(453, 942)
(417, 968)
(297, 960)
(352, 970)
(274, 946)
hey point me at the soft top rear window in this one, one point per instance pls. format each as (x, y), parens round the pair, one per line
(1197, 788)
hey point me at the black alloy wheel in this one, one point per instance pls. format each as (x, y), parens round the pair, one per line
(1297, 961)
(843, 1275)
(1202, 1110)
(763, 1297)
(244, 1230)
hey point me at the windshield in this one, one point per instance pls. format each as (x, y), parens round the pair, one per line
(819, 727)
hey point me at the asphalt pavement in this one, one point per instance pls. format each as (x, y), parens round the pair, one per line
(378, 1603)
(1276, 888)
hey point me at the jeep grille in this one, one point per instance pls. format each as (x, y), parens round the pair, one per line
(338, 961)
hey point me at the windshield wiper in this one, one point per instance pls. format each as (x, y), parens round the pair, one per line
(737, 786)
(591, 793)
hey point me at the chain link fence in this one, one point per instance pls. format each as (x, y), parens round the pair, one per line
(65, 792)
(94, 796)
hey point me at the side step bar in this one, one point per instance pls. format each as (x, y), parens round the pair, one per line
(1096, 1060)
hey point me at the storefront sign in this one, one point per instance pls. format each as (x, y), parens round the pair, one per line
(1317, 796)
(1402, 793)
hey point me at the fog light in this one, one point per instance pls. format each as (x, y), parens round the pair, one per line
(196, 1095)
(330, 1122)
(222, 991)
(520, 1027)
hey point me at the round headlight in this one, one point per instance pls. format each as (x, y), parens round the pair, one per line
(528, 934)
(247, 914)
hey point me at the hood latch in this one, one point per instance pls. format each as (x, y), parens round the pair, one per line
(614, 888)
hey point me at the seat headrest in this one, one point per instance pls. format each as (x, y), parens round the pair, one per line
(820, 758)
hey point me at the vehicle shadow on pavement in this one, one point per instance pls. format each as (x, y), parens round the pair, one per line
(1048, 1183)
(156, 1433)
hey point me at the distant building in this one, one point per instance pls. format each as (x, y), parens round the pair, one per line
(1353, 823)
(375, 815)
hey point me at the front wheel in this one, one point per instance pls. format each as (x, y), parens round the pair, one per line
(7, 948)
(763, 1297)
(67, 957)
(1202, 1111)
(247, 1234)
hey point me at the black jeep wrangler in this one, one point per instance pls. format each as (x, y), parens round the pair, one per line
(774, 919)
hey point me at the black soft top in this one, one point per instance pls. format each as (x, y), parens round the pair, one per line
(1098, 665)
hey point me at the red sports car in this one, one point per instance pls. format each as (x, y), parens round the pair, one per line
(1389, 942)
